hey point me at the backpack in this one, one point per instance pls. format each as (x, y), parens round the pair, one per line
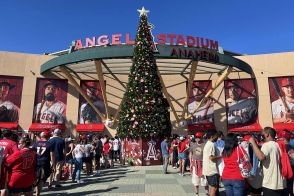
(285, 162)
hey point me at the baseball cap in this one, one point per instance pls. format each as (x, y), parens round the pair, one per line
(57, 131)
(181, 138)
(284, 134)
(6, 83)
(50, 82)
(231, 84)
(199, 135)
(46, 134)
(91, 85)
(287, 82)
(246, 138)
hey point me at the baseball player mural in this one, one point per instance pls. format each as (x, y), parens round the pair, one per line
(50, 101)
(205, 113)
(10, 98)
(241, 103)
(87, 114)
(282, 98)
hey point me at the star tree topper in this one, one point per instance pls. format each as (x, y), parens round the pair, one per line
(143, 11)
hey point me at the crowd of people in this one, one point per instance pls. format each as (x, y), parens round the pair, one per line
(27, 165)
(252, 164)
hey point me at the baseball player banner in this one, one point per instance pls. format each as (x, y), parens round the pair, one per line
(10, 98)
(282, 101)
(241, 105)
(50, 101)
(203, 117)
(87, 114)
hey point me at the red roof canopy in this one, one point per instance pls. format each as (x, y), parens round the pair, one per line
(46, 127)
(90, 127)
(201, 127)
(245, 128)
(281, 126)
(9, 125)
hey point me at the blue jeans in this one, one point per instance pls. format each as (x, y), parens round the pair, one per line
(78, 166)
(234, 187)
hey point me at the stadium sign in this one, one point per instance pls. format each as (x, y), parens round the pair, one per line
(161, 39)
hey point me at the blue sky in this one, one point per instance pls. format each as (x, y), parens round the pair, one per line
(248, 27)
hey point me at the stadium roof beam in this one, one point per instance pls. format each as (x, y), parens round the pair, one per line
(189, 86)
(68, 76)
(102, 85)
(222, 77)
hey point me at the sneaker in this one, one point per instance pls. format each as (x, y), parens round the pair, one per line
(175, 167)
(58, 186)
(80, 181)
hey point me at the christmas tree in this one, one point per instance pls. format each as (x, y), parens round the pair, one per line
(144, 111)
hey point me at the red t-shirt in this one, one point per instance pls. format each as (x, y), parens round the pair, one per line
(106, 148)
(182, 146)
(9, 147)
(22, 164)
(231, 169)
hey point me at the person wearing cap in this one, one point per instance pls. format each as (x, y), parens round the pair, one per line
(7, 147)
(280, 113)
(285, 136)
(239, 110)
(57, 153)
(210, 170)
(42, 148)
(182, 154)
(87, 113)
(196, 162)
(9, 112)
(50, 110)
(204, 114)
(273, 182)
(22, 166)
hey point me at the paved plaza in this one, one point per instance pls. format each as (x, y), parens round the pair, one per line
(130, 181)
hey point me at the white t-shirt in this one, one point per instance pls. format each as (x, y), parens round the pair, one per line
(272, 176)
(209, 166)
(78, 151)
(115, 144)
(88, 148)
(278, 108)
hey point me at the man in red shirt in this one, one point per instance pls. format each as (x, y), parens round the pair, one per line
(22, 165)
(7, 147)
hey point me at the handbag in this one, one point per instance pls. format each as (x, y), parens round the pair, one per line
(244, 163)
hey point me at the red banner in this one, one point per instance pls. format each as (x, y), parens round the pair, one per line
(203, 117)
(241, 105)
(46, 127)
(282, 102)
(90, 127)
(8, 125)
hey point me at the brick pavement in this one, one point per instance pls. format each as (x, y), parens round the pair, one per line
(129, 181)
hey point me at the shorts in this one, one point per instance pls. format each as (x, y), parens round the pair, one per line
(44, 175)
(271, 192)
(70, 161)
(20, 190)
(182, 156)
(213, 180)
(87, 159)
(197, 180)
